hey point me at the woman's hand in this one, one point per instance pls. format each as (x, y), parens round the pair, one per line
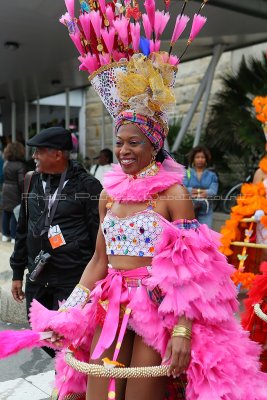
(179, 352)
(198, 193)
(55, 339)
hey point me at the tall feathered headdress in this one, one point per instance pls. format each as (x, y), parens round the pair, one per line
(119, 47)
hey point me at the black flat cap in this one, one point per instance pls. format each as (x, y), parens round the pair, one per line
(55, 137)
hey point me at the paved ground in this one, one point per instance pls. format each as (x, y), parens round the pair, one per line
(28, 374)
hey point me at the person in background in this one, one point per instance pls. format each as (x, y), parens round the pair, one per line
(104, 161)
(58, 222)
(201, 183)
(13, 174)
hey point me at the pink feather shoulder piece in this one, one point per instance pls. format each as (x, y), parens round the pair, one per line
(124, 188)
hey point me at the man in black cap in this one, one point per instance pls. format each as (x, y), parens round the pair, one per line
(58, 223)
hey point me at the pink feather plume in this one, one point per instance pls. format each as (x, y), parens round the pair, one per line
(150, 9)
(102, 5)
(104, 59)
(180, 25)
(65, 18)
(154, 46)
(110, 15)
(161, 20)
(121, 26)
(173, 60)
(75, 37)
(135, 33)
(14, 341)
(147, 26)
(96, 22)
(108, 38)
(86, 25)
(70, 7)
(197, 25)
(89, 63)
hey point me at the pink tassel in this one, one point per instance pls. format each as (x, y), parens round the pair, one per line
(147, 26)
(86, 25)
(108, 38)
(65, 18)
(121, 26)
(75, 37)
(102, 6)
(89, 63)
(110, 15)
(104, 59)
(70, 7)
(82, 67)
(96, 22)
(180, 25)
(14, 341)
(150, 9)
(197, 25)
(161, 21)
(154, 46)
(135, 33)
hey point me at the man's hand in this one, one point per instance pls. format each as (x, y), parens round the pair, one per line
(17, 291)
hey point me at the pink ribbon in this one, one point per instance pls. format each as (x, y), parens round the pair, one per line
(115, 290)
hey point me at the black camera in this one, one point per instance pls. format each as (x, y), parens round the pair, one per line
(40, 261)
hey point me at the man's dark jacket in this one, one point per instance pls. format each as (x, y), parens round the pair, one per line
(78, 219)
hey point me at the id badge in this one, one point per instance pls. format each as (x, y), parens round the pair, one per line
(55, 237)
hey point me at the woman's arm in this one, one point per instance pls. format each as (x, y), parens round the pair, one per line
(257, 178)
(96, 269)
(180, 206)
(179, 203)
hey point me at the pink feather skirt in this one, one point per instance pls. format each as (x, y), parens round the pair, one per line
(224, 362)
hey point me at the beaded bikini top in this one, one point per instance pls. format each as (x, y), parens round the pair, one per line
(135, 235)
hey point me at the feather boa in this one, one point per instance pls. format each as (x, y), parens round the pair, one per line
(123, 188)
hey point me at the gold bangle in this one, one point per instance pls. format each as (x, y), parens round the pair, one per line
(183, 331)
(188, 337)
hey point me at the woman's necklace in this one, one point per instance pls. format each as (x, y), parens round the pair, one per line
(150, 170)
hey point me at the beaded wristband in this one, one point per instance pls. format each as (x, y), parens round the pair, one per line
(79, 296)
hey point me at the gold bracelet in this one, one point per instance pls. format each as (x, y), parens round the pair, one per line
(182, 331)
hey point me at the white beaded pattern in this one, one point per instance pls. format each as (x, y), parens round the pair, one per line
(79, 296)
(135, 235)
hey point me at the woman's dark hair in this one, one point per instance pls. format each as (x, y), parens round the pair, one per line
(199, 149)
(14, 152)
(161, 155)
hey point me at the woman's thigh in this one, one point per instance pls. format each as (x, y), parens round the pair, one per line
(150, 388)
(97, 388)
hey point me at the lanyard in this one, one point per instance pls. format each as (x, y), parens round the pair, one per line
(51, 202)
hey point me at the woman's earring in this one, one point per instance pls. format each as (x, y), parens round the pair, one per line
(153, 158)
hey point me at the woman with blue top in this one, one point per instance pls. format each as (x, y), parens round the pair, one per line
(201, 183)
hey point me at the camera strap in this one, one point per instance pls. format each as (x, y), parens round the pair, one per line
(51, 202)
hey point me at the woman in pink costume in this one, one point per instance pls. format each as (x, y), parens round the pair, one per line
(156, 290)
(163, 291)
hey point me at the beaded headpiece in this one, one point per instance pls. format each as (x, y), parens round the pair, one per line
(133, 78)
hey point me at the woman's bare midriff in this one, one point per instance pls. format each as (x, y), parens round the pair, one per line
(128, 263)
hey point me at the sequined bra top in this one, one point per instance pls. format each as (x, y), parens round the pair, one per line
(135, 235)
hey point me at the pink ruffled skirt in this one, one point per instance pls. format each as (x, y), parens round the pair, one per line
(224, 362)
